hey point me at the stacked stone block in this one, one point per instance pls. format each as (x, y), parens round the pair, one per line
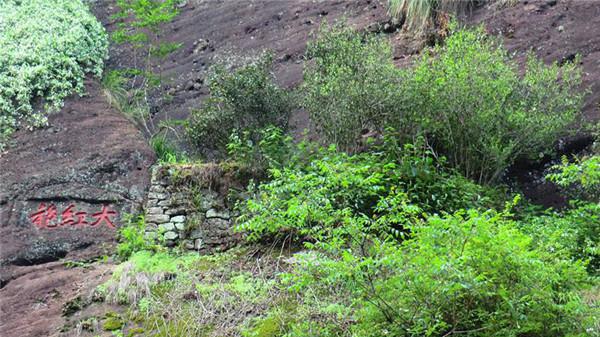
(203, 225)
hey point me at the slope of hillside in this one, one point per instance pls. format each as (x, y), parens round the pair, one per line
(93, 158)
(213, 31)
(555, 31)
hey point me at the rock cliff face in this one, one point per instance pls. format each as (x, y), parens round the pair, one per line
(63, 189)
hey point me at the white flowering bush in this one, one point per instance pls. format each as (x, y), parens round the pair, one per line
(46, 49)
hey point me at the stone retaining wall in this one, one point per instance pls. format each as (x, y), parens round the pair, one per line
(188, 212)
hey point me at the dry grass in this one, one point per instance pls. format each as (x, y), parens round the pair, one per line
(216, 302)
(418, 15)
(130, 286)
(211, 295)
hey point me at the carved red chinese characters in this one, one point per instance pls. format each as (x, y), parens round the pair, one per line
(46, 216)
(104, 216)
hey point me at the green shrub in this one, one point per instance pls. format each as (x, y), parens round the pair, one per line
(467, 97)
(312, 197)
(350, 86)
(165, 151)
(574, 232)
(470, 273)
(245, 99)
(33, 69)
(273, 149)
(583, 174)
(480, 113)
(133, 237)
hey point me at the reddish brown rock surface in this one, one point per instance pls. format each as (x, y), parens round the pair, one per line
(90, 156)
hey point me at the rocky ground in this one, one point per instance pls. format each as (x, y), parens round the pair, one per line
(91, 156)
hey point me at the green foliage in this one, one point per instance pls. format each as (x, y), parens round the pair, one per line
(133, 237)
(165, 151)
(143, 272)
(351, 86)
(467, 97)
(194, 295)
(245, 99)
(470, 273)
(122, 93)
(584, 173)
(273, 149)
(114, 84)
(165, 48)
(140, 26)
(312, 197)
(160, 262)
(113, 322)
(273, 324)
(575, 233)
(397, 244)
(145, 16)
(481, 113)
(35, 75)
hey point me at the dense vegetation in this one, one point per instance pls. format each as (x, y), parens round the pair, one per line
(241, 100)
(405, 227)
(395, 221)
(46, 48)
(465, 96)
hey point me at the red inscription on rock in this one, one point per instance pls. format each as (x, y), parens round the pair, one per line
(46, 216)
(103, 216)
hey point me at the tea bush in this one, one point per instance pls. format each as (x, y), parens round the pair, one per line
(481, 113)
(245, 99)
(468, 273)
(312, 197)
(274, 148)
(46, 48)
(466, 96)
(351, 85)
